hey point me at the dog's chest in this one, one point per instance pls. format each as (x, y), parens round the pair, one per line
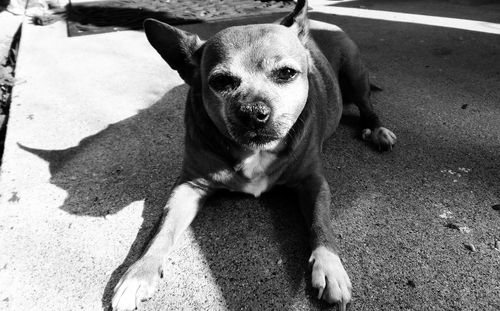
(253, 168)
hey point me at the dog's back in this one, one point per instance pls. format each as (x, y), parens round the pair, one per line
(324, 91)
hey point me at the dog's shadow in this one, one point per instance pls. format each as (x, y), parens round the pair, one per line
(135, 159)
(139, 158)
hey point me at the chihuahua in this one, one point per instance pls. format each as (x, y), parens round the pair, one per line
(262, 100)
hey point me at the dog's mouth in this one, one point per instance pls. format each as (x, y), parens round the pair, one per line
(254, 138)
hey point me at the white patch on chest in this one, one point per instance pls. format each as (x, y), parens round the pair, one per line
(254, 168)
(256, 187)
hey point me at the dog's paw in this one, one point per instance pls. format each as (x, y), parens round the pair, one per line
(330, 277)
(383, 138)
(137, 284)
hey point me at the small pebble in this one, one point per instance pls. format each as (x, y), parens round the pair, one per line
(497, 245)
(458, 226)
(470, 247)
(411, 283)
(464, 229)
(446, 214)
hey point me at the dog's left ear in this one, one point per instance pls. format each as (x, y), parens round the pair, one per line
(298, 21)
(180, 49)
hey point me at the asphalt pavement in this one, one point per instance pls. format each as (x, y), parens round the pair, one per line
(95, 140)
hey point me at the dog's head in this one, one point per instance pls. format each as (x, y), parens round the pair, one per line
(254, 80)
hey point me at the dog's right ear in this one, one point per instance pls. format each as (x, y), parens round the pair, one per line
(178, 48)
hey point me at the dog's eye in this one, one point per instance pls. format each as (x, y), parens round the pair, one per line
(224, 82)
(285, 74)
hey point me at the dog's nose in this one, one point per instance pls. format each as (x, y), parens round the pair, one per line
(254, 114)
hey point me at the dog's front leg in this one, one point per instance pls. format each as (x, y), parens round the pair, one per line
(141, 279)
(328, 273)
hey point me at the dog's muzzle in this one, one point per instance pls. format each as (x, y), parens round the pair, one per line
(250, 123)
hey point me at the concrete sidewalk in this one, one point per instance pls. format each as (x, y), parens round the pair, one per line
(94, 143)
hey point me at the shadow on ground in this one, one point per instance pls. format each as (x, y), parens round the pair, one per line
(132, 160)
(138, 159)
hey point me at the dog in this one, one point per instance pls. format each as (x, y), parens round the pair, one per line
(262, 100)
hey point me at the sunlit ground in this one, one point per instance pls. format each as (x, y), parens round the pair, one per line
(326, 6)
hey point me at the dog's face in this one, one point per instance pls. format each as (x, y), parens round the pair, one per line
(254, 79)
(254, 83)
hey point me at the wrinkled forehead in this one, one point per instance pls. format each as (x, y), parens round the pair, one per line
(254, 46)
